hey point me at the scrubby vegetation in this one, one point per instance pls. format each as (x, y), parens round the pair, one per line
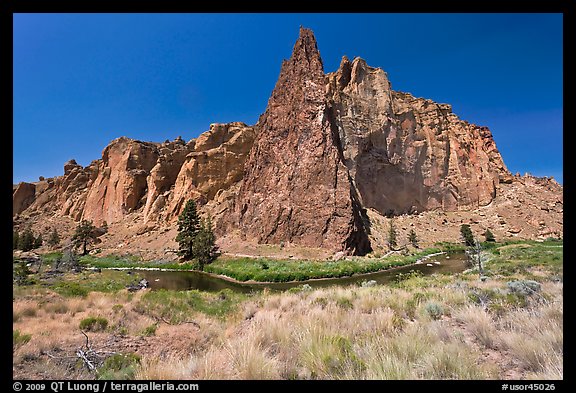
(94, 324)
(509, 326)
(274, 270)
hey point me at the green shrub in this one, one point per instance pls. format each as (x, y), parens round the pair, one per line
(71, 289)
(94, 324)
(434, 310)
(19, 339)
(150, 330)
(344, 303)
(523, 287)
(119, 367)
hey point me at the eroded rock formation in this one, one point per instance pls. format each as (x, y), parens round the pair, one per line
(216, 163)
(409, 154)
(22, 197)
(296, 187)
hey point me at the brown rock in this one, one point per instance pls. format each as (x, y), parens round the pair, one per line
(163, 176)
(409, 154)
(215, 165)
(296, 187)
(22, 197)
(121, 181)
(71, 165)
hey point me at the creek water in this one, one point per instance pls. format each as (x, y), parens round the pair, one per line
(447, 263)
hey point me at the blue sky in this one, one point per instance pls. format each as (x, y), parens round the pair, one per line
(81, 80)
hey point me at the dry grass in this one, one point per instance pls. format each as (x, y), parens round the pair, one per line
(163, 369)
(478, 322)
(379, 332)
(542, 353)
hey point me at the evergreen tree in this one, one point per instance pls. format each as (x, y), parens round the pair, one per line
(467, 236)
(412, 238)
(84, 235)
(392, 235)
(204, 246)
(489, 236)
(188, 228)
(15, 237)
(26, 240)
(54, 238)
(38, 241)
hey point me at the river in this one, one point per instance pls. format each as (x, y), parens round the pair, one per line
(185, 280)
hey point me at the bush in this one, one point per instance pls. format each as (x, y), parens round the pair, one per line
(94, 324)
(19, 339)
(26, 240)
(119, 367)
(523, 287)
(70, 289)
(434, 310)
(489, 236)
(344, 303)
(150, 330)
(20, 273)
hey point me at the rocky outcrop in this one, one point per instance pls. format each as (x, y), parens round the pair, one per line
(163, 176)
(296, 187)
(151, 179)
(121, 183)
(408, 154)
(216, 163)
(22, 197)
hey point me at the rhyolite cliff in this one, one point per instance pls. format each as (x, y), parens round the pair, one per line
(328, 149)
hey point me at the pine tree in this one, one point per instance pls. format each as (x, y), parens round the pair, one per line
(204, 246)
(54, 238)
(392, 235)
(412, 238)
(26, 240)
(467, 236)
(38, 241)
(15, 237)
(84, 235)
(489, 236)
(188, 228)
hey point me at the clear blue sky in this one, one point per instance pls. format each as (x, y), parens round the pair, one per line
(81, 80)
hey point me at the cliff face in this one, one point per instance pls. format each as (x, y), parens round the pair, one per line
(216, 164)
(152, 180)
(296, 187)
(409, 154)
(330, 155)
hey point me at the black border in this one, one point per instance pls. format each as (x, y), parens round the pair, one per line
(8, 7)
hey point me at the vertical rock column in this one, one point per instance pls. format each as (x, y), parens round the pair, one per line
(296, 187)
